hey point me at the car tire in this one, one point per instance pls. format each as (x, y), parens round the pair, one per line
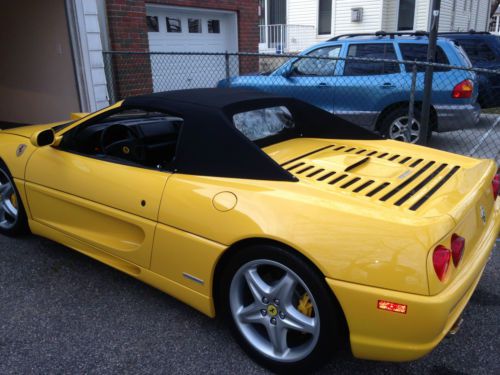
(13, 221)
(394, 126)
(285, 292)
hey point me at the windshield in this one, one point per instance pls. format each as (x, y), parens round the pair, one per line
(265, 122)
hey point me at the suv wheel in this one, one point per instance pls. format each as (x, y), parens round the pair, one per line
(395, 126)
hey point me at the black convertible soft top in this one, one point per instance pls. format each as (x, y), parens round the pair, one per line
(209, 143)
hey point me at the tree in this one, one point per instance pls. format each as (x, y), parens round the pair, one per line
(494, 6)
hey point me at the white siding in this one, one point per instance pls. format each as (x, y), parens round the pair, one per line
(468, 14)
(305, 12)
(391, 12)
(383, 15)
(482, 20)
(446, 15)
(302, 12)
(390, 15)
(422, 9)
(88, 33)
(372, 16)
(95, 54)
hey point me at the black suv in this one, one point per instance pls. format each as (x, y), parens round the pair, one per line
(483, 50)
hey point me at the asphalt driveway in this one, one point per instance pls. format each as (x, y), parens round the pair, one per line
(61, 312)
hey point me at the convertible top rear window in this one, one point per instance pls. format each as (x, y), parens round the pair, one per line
(264, 122)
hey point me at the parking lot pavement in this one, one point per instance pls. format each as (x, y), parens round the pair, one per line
(63, 312)
(483, 141)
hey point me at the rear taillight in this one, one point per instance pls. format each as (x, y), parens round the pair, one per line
(496, 186)
(457, 248)
(441, 261)
(463, 90)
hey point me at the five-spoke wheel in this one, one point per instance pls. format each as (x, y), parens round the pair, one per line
(279, 307)
(12, 216)
(265, 298)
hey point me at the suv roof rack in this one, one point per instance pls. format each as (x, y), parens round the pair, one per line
(381, 33)
(471, 31)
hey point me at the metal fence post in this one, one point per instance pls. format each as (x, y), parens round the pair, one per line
(411, 109)
(431, 53)
(226, 58)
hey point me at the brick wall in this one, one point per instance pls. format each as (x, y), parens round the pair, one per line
(128, 32)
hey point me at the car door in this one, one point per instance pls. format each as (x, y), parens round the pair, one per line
(111, 206)
(365, 88)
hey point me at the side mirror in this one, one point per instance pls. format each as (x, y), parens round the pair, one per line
(288, 71)
(43, 138)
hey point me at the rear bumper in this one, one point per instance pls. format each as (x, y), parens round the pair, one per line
(386, 336)
(455, 117)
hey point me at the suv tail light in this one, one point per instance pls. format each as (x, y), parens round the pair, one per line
(463, 90)
(457, 248)
(441, 261)
(496, 186)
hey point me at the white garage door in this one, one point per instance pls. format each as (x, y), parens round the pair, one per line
(175, 29)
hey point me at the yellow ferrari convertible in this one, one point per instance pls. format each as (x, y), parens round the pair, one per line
(303, 231)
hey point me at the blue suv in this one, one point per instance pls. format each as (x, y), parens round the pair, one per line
(483, 50)
(375, 94)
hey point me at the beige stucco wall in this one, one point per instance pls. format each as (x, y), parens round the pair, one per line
(37, 80)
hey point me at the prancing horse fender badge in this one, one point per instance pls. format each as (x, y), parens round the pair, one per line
(20, 149)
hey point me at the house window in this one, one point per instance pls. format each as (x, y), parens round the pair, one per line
(174, 25)
(325, 17)
(406, 15)
(213, 27)
(194, 25)
(152, 22)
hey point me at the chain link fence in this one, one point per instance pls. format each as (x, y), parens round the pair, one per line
(379, 94)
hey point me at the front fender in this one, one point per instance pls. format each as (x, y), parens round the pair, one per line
(15, 152)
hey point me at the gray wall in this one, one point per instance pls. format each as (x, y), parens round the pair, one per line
(37, 80)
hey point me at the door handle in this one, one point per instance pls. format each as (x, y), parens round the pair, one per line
(388, 85)
(322, 85)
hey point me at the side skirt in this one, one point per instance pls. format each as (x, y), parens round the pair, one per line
(192, 298)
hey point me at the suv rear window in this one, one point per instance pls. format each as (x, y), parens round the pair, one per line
(477, 50)
(372, 51)
(418, 52)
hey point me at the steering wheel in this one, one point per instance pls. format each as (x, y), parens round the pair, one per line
(122, 141)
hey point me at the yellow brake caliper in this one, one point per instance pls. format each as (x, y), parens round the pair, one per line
(13, 200)
(305, 306)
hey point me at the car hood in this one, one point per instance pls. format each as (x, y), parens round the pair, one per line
(409, 180)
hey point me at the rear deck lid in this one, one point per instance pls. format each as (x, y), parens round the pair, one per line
(391, 174)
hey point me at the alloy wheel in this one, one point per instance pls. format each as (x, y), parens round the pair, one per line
(274, 310)
(8, 202)
(399, 128)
